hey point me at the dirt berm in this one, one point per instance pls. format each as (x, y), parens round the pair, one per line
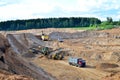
(12, 62)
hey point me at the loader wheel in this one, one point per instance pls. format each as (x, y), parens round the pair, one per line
(56, 57)
(61, 57)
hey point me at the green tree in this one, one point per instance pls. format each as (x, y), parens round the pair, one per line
(49, 22)
(109, 20)
(118, 22)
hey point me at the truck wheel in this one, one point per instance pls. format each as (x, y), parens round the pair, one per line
(76, 65)
(70, 64)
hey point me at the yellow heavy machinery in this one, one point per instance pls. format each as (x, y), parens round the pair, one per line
(44, 37)
(57, 54)
(53, 54)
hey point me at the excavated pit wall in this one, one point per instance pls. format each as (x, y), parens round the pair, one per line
(98, 45)
(12, 62)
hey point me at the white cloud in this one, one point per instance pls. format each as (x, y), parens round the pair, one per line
(26, 9)
(1, 3)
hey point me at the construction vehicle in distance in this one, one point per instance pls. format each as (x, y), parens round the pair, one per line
(49, 53)
(57, 54)
(52, 54)
(78, 62)
(44, 37)
(45, 50)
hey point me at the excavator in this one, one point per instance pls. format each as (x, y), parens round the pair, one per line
(44, 37)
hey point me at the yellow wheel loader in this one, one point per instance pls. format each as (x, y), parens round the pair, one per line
(52, 54)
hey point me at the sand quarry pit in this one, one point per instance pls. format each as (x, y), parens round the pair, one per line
(99, 48)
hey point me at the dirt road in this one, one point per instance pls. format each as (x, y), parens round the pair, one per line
(63, 71)
(88, 71)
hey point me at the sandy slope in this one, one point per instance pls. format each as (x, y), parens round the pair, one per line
(14, 63)
(4, 75)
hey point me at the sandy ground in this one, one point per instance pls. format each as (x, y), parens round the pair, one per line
(103, 46)
(63, 71)
(95, 47)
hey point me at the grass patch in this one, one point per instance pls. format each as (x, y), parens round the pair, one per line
(94, 27)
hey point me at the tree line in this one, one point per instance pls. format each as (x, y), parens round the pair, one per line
(49, 23)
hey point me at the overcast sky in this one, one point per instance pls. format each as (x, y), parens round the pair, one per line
(29, 9)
